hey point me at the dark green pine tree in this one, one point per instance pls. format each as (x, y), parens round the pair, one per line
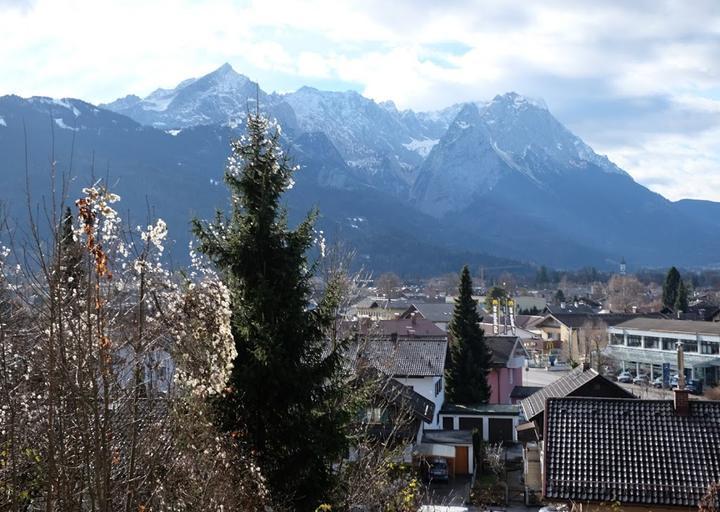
(681, 301)
(469, 358)
(285, 384)
(70, 253)
(671, 286)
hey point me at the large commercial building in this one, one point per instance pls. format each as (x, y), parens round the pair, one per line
(643, 345)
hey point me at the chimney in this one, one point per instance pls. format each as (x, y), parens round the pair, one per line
(682, 397)
(586, 364)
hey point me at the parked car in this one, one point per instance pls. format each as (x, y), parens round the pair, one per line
(658, 382)
(436, 470)
(642, 380)
(695, 386)
(625, 377)
(609, 374)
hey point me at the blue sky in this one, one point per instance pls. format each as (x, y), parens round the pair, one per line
(639, 81)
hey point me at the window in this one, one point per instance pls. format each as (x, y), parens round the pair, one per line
(709, 347)
(512, 376)
(617, 339)
(652, 342)
(633, 340)
(448, 423)
(669, 344)
(690, 345)
(438, 386)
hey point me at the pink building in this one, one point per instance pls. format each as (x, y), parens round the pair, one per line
(507, 366)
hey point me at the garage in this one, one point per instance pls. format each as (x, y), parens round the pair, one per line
(500, 430)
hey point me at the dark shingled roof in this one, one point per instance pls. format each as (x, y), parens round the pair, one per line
(501, 348)
(440, 312)
(535, 403)
(637, 452)
(401, 357)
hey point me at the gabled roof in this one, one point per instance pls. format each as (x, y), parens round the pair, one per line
(570, 308)
(439, 312)
(407, 327)
(528, 321)
(502, 349)
(400, 357)
(595, 320)
(637, 452)
(565, 386)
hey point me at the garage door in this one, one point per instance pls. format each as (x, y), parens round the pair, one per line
(461, 460)
(471, 423)
(500, 430)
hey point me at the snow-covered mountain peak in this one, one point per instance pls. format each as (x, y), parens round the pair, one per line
(224, 79)
(215, 97)
(515, 101)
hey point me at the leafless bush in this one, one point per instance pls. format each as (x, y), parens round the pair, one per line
(109, 365)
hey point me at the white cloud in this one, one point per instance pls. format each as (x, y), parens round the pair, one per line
(675, 165)
(421, 54)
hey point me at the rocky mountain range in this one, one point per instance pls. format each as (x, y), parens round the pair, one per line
(414, 192)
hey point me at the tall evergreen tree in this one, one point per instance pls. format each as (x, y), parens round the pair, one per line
(671, 286)
(284, 386)
(469, 358)
(70, 253)
(681, 301)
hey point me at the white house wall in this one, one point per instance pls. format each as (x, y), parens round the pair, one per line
(425, 386)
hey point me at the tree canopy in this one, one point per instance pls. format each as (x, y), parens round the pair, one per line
(469, 358)
(671, 287)
(282, 394)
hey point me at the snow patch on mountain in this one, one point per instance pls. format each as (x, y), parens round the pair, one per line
(159, 100)
(421, 147)
(2, 121)
(61, 124)
(66, 104)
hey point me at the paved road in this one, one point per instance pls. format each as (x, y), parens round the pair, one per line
(541, 376)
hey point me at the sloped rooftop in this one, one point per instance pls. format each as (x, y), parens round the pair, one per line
(535, 403)
(637, 452)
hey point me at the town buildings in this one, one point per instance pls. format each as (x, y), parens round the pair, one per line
(644, 345)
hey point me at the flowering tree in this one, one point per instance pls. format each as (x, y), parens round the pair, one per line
(109, 365)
